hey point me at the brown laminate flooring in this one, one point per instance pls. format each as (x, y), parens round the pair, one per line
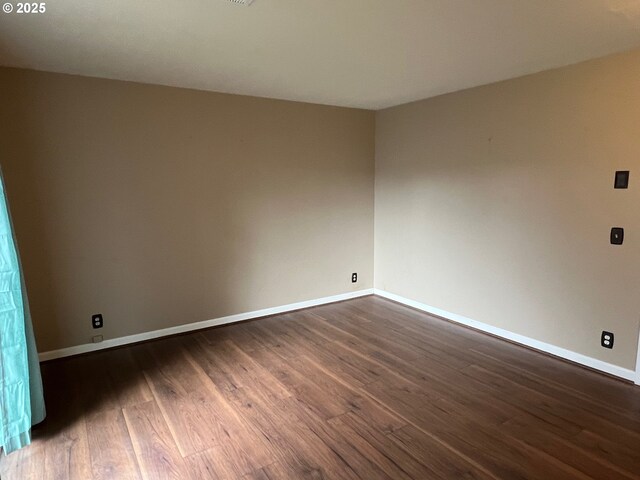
(362, 389)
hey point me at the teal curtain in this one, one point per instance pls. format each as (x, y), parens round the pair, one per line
(21, 398)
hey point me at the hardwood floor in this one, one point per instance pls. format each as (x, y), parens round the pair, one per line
(363, 389)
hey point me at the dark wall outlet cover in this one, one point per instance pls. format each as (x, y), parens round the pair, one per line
(617, 235)
(622, 179)
(354, 277)
(606, 339)
(96, 320)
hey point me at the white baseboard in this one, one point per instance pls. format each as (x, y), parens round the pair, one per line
(637, 380)
(141, 337)
(609, 368)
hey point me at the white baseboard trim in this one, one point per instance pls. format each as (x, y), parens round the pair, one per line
(609, 368)
(637, 380)
(189, 327)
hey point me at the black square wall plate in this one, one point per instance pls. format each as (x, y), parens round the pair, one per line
(622, 179)
(617, 235)
(606, 339)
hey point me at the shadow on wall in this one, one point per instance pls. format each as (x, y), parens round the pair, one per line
(158, 206)
(24, 190)
(121, 223)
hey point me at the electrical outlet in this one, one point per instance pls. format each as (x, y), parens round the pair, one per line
(96, 320)
(354, 277)
(606, 339)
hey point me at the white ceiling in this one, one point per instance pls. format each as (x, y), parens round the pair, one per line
(359, 53)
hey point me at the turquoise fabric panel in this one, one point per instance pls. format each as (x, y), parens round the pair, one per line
(38, 412)
(21, 399)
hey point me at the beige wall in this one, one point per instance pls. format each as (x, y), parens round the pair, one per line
(496, 203)
(160, 206)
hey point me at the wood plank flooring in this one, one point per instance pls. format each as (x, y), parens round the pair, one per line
(362, 389)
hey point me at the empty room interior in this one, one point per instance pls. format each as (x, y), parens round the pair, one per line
(297, 239)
